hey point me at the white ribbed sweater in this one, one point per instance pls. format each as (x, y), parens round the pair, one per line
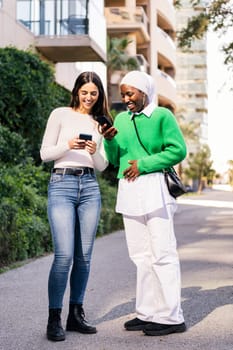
(64, 124)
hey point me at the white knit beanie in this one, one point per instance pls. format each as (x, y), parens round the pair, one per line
(141, 81)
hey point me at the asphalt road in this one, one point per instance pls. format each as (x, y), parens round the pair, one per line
(204, 227)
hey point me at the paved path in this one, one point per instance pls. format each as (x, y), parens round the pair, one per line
(205, 240)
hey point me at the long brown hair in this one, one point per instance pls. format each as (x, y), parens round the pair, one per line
(100, 108)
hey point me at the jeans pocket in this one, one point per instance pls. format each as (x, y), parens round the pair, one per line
(56, 178)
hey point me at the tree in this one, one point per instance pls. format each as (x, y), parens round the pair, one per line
(188, 128)
(230, 172)
(200, 166)
(212, 14)
(118, 59)
(28, 93)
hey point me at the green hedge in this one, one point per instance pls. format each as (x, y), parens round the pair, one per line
(109, 221)
(24, 229)
(28, 93)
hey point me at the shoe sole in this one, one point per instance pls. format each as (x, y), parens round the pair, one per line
(137, 328)
(74, 329)
(56, 338)
(165, 331)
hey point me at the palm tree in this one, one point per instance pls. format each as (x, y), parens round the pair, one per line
(118, 59)
(188, 128)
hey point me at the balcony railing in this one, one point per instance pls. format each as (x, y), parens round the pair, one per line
(53, 17)
(65, 30)
(166, 89)
(143, 64)
(166, 15)
(34, 26)
(167, 77)
(167, 37)
(124, 15)
(125, 20)
(71, 25)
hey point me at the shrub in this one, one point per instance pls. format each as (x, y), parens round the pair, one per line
(109, 221)
(24, 230)
(28, 93)
(12, 146)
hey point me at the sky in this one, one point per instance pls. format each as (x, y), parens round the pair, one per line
(220, 105)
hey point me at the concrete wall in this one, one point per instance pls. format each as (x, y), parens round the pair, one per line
(12, 33)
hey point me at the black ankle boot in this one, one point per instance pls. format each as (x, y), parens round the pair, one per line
(76, 320)
(55, 331)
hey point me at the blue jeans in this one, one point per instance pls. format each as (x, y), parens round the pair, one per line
(74, 205)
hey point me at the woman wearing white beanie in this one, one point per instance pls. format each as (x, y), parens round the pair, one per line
(145, 140)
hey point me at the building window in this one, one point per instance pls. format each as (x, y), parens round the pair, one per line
(54, 17)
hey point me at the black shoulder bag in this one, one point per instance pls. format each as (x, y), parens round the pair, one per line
(174, 184)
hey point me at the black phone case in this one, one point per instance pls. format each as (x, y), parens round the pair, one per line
(85, 137)
(104, 120)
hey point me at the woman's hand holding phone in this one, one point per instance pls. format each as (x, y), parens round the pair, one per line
(89, 145)
(76, 143)
(109, 133)
(80, 142)
(105, 122)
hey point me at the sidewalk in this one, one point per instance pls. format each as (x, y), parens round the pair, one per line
(205, 241)
(221, 196)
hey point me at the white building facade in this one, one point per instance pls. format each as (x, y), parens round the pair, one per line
(191, 77)
(63, 32)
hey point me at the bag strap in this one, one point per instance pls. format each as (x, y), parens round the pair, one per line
(140, 141)
(139, 136)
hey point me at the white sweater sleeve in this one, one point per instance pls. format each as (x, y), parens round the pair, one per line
(99, 157)
(50, 148)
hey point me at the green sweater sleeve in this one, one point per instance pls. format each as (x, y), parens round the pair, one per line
(171, 145)
(112, 151)
(159, 133)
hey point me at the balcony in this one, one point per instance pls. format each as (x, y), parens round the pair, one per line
(122, 20)
(63, 32)
(166, 14)
(69, 49)
(143, 64)
(166, 48)
(166, 89)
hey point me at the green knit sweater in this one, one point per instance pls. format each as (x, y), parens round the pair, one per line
(160, 134)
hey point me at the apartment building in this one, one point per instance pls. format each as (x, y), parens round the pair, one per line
(61, 31)
(72, 34)
(150, 25)
(191, 77)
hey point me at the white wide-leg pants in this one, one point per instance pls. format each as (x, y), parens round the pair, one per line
(152, 247)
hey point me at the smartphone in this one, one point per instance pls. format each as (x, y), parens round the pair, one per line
(104, 120)
(85, 137)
